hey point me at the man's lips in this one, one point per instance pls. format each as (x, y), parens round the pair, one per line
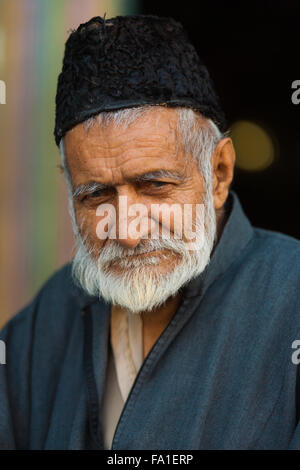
(144, 255)
(147, 253)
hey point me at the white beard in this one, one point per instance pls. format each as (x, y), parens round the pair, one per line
(139, 287)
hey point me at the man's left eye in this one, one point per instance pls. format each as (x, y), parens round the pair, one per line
(159, 184)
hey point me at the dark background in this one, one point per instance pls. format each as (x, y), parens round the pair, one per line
(252, 50)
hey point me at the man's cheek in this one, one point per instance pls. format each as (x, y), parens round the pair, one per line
(106, 222)
(87, 224)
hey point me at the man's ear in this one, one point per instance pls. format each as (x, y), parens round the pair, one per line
(222, 162)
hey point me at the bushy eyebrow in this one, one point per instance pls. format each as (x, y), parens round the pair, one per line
(88, 188)
(92, 186)
(158, 174)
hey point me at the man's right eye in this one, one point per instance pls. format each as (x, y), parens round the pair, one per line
(95, 194)
(90, 196)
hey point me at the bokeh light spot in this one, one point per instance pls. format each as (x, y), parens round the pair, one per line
(255, 148)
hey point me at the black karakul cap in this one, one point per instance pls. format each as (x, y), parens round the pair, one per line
(130, 61)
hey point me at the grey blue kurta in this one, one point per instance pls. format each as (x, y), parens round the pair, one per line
(220, 376)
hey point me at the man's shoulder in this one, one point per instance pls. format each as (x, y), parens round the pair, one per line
(272, 268)
(276, 245)
(276, 237)
(60, 286)
(55, 303)
(58, 289)
(266, 278)
(62, 276)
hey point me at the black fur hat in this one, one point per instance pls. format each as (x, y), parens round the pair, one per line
(131, 61)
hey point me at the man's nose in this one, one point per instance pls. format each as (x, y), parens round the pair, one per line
(128, 229)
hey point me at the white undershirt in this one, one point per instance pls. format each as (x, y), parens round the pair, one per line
(125, 357)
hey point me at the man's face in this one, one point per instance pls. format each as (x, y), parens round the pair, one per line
(126, 162)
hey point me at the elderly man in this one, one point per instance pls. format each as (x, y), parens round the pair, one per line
(164, 332)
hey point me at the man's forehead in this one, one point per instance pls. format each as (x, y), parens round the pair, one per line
(156, 123)
(149, 143)
(131, 170)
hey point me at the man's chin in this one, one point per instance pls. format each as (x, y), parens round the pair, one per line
(139, 302)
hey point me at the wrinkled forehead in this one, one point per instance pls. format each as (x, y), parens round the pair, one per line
(115, 141)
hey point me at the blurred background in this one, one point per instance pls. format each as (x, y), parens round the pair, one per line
(252, 52)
